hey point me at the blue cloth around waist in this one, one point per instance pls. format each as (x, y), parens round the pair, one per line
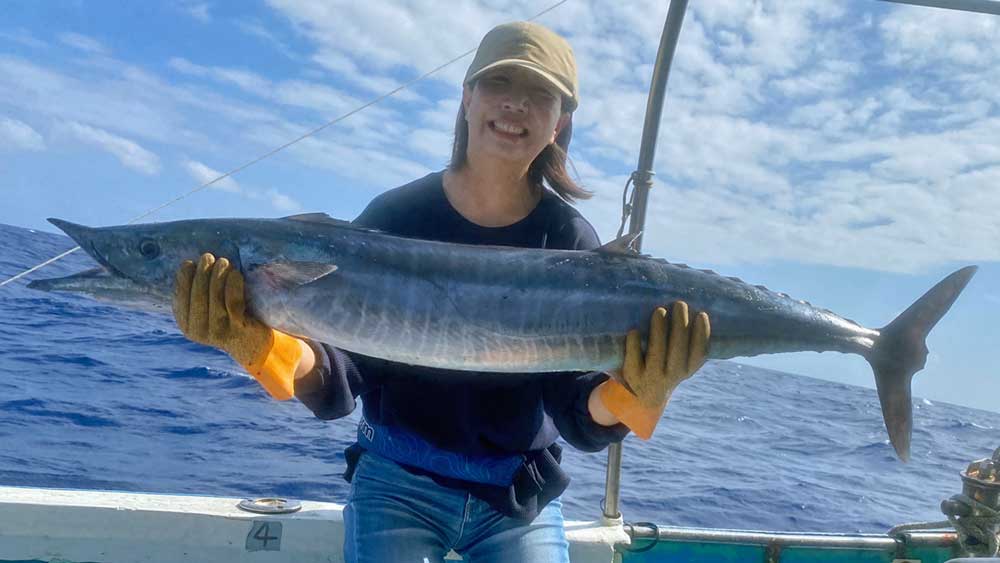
(407, 448)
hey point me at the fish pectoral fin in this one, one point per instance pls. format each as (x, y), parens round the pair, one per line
(293, 274)
(622, 245)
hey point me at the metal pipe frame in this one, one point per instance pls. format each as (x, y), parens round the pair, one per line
(643, 176)
(785, 539)
(643, 181)
(978, 6)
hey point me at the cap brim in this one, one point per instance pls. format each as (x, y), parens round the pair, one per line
(549, 77)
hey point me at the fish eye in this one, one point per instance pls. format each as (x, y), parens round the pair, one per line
(149, 249)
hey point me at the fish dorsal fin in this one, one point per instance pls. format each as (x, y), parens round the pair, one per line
(317, 218)
(285, 274)
(324, 219)
(621, 245)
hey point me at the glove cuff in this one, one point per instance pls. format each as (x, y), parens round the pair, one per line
(641, 420)
(275, 367)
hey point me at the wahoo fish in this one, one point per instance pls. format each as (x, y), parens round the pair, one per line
(491, 308)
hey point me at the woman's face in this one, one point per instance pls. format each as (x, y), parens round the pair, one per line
(513, 115)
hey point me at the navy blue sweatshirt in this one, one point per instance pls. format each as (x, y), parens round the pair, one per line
(458, 411)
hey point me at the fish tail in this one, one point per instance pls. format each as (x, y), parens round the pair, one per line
(901, 351)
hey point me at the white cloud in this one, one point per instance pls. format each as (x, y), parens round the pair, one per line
(22, 37)
(199, 11)
(260, 31)
(431, 142)
(354, 29)
(83, 43)
(373, 166)
(368, 44)
(321, 98)
(345, 69)
(830, 77)
(16, 134)
(203, 174)
(128, 152)
(185, 66)
(283, 202)
(956, 38)
(441, 116)
(244, 79)
(326, 100)
(122, 101)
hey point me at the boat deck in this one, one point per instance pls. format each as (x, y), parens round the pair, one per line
(58, 525)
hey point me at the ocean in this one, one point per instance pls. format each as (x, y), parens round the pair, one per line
(96, 397)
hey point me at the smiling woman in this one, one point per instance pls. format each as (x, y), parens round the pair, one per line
(517, 85)
(444, 461)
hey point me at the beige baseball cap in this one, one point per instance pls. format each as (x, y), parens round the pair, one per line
(533, 47)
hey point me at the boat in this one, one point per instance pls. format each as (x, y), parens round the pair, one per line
(57, 525)
(62, 525)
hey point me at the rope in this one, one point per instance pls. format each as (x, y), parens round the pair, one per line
(652, 542)
(302, 137)
(976, 521)
(977, 525)
(627, 200)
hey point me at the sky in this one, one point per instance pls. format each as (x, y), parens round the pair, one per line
(846, 152)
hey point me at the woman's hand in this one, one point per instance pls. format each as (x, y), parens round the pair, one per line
(210, 308)
(671, 356)
(640, 391)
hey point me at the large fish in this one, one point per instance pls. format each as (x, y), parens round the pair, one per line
(492, 309)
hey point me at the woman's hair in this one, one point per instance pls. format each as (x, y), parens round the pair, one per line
(548, 167)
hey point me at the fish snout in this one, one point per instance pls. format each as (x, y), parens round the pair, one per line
(80, 233)
(89, 239)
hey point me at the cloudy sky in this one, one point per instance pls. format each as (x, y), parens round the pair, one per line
(843, 151)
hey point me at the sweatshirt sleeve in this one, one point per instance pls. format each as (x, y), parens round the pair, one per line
(566, 401)
(330, 389)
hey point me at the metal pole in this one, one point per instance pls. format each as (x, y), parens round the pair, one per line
(643, 175)
(643, 181)
(980, 6)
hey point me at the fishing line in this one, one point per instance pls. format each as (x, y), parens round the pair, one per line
(628, 199)
(240, 168)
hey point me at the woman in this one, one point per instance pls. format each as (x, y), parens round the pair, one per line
(444, 460)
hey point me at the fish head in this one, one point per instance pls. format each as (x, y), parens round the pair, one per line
(149, 255)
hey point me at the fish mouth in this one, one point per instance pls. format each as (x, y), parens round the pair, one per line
(103, 261)
(68, 283)
(99, 284)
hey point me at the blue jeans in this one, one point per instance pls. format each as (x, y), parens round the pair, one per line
(395, 516)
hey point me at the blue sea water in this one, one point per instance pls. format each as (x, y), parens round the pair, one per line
(96, 397)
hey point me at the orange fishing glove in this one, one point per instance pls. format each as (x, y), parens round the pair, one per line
(652, 379)
(210, 308)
